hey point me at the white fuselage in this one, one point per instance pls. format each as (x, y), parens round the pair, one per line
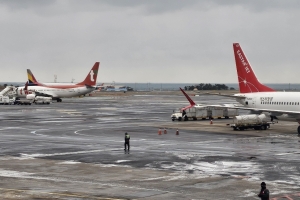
(54, 92)
(277, 101)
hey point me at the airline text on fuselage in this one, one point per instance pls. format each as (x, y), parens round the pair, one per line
(266, 98)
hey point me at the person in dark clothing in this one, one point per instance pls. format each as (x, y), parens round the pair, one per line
(264, 192)
(183, 113)
(127, 138)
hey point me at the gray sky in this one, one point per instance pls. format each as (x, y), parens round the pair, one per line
(159, 41)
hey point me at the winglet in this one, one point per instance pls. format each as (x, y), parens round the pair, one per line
(91, 78)
(247, 79)
(192, 103)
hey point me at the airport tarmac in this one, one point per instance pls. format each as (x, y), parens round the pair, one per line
(74, 150)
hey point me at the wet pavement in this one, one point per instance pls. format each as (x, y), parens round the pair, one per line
(74, 150)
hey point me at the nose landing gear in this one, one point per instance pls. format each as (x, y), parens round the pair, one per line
(59, 100)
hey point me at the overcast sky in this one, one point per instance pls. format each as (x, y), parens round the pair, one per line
(162, 41)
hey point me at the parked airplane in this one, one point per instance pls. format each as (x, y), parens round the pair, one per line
(259, 98)
(59, 90)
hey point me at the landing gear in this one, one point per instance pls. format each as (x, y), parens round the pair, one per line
(298, 130)
(59, 100)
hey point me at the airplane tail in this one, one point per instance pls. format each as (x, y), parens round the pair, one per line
(31, 79)
(192, 103)
(248, 82)
(91, 78)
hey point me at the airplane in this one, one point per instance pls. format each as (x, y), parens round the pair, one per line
(58, 90)
(259, 98)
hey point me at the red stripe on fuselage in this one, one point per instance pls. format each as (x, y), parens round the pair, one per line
(60, 86)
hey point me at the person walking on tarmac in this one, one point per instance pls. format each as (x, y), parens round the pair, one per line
(264, 192)
(127, 138)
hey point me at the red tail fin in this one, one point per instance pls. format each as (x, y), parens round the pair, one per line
(248, 82)
(91, 78)
(192, 103)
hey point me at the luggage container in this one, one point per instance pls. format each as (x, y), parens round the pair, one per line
(191, 112)
(216, 113)
(229, 112)
(202, 113)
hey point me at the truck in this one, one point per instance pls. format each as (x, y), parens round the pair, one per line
(199, 112)
(216, 113)
(18, 101)
(4, 100)
(253, 121)
(190, 113)
(203, 112)
(230, 112)
(43, 100)
(179, 115)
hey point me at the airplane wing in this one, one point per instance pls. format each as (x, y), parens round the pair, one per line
(223, 95)
(192, 103)
(89, 86)
(272, 111)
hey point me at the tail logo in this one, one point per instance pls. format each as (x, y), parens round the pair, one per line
(92, 75)
(243, 61)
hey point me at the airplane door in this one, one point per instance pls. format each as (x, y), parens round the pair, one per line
(250, 102)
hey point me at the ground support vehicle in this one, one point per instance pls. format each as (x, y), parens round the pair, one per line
(4, 100)
(253, 121)
(18, 101)
(43, 100)
(203, 112)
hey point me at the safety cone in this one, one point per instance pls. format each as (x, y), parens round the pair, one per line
(165, 131)
(211, 121)
(159, 132)
(177, 132)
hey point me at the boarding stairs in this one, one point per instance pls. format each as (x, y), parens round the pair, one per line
(8, 91)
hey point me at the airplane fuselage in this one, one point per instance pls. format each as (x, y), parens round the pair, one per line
(276, 101)
(69, 91)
